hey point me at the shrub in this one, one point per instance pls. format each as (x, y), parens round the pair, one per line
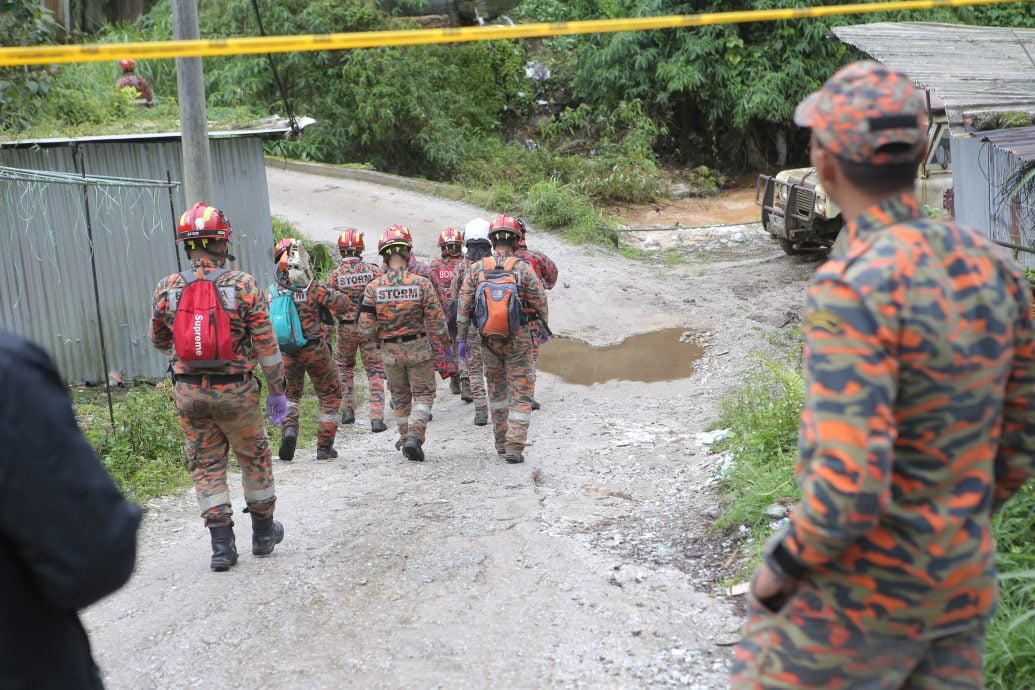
(145, 451)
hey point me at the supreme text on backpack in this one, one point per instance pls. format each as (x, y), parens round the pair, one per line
(497, 304)
(201, 326)
(287, 325)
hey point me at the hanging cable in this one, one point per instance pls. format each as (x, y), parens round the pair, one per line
(295, 131)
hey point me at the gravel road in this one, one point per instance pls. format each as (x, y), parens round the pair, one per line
(591, 565)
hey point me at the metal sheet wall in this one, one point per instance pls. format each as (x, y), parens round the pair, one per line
(1007, 215)
(46, 283)
(970, 183)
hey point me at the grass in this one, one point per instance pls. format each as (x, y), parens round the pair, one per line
(762, 416)
(144, 451)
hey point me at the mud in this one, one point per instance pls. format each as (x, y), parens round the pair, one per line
(659, 356)
(592, 565)
(733, 207)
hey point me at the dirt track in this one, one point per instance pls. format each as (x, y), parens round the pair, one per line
(589, 566)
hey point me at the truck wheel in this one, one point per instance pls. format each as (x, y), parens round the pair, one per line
(788, 248)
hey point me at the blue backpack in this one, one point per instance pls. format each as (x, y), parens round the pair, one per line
(287, 326)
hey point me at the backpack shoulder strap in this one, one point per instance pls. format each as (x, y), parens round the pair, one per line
(188, 276)
(509, 263)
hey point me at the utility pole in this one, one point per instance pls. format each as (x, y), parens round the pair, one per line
(197, 161)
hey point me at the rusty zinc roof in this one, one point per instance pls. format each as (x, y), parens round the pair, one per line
(971, 68)
(1020, 141)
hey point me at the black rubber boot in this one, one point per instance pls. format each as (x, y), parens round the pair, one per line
(224, 548)
(412, 449)
(535, 404)
(377, 426)
(514, 457)
(465, 390)
(287, 446)
(454, 385)
(348, 416)
(326, 453)
(481, 415)
(266, 533)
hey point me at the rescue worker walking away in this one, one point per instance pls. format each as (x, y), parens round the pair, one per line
(401, 309)
(351, 278)
(496, 296)
(450, 242)
(300, 305)
(546, 270)
(131, 80)
(212, 323)
(472, 372)
(918, 423)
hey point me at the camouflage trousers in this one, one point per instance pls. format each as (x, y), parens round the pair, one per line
(315, 360)
(410, 367)
(349, 341)
(216, 418)
(474, 370)
(808, 645)
(509, 377)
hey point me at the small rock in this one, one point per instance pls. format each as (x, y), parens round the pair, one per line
(776, 511)
(651, 243)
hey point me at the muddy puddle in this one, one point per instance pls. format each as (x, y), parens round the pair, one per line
(658, 356)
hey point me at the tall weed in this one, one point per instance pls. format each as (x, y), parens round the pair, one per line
(145, 450)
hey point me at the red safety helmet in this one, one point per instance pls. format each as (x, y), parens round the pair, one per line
(394, 240)
(125, 64)
(202, 222)
(506, 228)
(350, 241)
(450, 236)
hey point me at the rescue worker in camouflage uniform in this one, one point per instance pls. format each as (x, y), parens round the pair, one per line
(130, 80)
(314, 359)
(546, 270)
(401, 310)
(472, 371)
(918, 423)
(219, 407)
(508, 361)
(450, 243)
(351, 278)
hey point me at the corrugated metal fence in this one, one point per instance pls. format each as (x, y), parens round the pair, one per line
(984, 166)
(47, 287)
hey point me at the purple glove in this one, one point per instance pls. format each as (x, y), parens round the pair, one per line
(450, 355)
(276, 408)
(462, 351)
(544, 337)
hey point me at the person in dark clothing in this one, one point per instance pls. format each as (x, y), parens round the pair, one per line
(67, 536)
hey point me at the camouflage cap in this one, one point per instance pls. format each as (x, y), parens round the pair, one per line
(867, 113)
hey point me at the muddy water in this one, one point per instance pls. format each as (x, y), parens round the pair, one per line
(657, 356)
(733, 206)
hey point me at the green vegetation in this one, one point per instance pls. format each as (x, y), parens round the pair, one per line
(762, 416)
(144, 452)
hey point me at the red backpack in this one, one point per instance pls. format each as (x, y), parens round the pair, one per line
(201, 327)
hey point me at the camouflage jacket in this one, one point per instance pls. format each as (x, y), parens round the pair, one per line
(543, 265)
(251, 332)
(400, 303)
(444, 270)
(308, 303)
(919, 420)
(351, 277)
(531, 293)
(139, 84)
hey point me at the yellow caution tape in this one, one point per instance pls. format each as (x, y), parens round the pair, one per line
(98, 52)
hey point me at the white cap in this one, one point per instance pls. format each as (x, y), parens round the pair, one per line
(477, 229)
